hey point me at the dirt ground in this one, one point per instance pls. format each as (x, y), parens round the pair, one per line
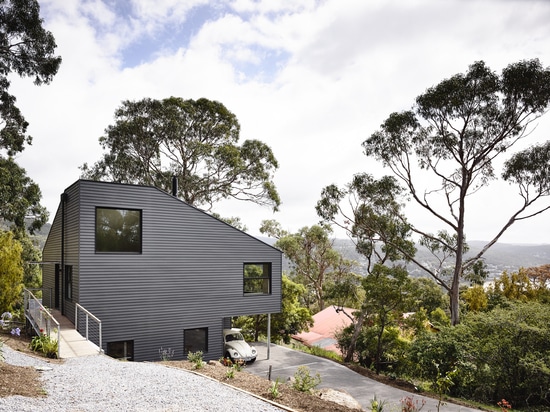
(25, 381)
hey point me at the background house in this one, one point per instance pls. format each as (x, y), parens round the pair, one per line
(326, 324)
(156, 271)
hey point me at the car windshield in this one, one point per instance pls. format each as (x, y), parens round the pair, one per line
(233, 336)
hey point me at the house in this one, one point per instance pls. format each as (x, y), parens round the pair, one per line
(326, 324)
(156, 271)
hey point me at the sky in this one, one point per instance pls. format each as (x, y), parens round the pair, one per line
(312, 79)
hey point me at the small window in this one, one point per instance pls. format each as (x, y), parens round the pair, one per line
(118, 230)
(121, 350)
(68, 282)
(257, 278)
(195, 340)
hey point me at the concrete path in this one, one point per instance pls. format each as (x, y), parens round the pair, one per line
(72, 344)
(285, 362)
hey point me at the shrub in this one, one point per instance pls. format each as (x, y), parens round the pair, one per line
(274, 389)
(303, 381)
(196, 358)
(43, 343)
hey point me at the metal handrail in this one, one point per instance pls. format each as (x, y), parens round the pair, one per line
(40, 318)
(88, 315)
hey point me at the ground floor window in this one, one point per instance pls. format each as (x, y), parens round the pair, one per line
(121, 350)
(195, 340)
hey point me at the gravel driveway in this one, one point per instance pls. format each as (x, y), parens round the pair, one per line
(101, 384)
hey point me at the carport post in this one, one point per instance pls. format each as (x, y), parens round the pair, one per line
(268, 333)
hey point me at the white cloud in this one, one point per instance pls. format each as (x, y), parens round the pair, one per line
(312, 79)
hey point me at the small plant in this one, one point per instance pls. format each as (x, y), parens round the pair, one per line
(226, 362)
(43, 343)
(273, 390)
(230, 372)
(504, 405)
(303, 381)
(166, 354)
(409, 404)
(443, 384)
(376, 405)
(196, 358)
(239, 365)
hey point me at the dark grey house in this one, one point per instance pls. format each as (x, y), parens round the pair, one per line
(156, 271)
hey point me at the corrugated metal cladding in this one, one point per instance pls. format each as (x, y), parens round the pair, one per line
(189, 274)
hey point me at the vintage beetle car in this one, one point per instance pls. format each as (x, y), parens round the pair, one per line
(236, 348)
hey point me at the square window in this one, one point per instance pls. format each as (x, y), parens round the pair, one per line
(118, 230)
(195, 340)
(257, 278)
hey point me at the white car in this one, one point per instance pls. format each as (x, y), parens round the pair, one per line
(236, 347)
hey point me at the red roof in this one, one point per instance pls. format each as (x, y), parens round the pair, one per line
(326, 324)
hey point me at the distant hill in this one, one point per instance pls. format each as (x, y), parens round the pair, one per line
(499, 258)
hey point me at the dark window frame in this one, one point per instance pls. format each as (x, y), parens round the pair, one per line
(136, 247)
(194, 343)
(249, 282)
(69, 282)
(113, 349)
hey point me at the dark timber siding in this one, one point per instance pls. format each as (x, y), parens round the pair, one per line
(189, 274)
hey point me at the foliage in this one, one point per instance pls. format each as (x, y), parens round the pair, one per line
(502, 353)
(194, 140)
(304, 381)
(196, 359)
(323, 353)
(292, 319)
(11, 271)
(439, 318)
(273, 390)
(230, 372)
(27, 50)
(475, 298)
(424, 293)
(409, 404)
(314, 260)
(376, 405)
(376, 222)
(514, 286)
(455, 132)
(45, 344)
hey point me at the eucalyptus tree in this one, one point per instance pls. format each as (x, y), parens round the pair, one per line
(197, 141)
(26, 50)
(370, 210)
(454, 133)
(315, 261)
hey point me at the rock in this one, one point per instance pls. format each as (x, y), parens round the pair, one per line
(340, 397)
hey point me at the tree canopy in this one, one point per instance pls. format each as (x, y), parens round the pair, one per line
(454, 133)
(26, 49)
(11, 271)
(194, 140)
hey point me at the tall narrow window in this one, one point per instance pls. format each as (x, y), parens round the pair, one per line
(195, 340)
(257, 278)
(68, 282)
(118, 230)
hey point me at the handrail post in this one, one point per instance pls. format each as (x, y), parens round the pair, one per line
(88, 316)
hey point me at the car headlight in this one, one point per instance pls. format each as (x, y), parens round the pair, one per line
(236, 354)
(253, 351)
